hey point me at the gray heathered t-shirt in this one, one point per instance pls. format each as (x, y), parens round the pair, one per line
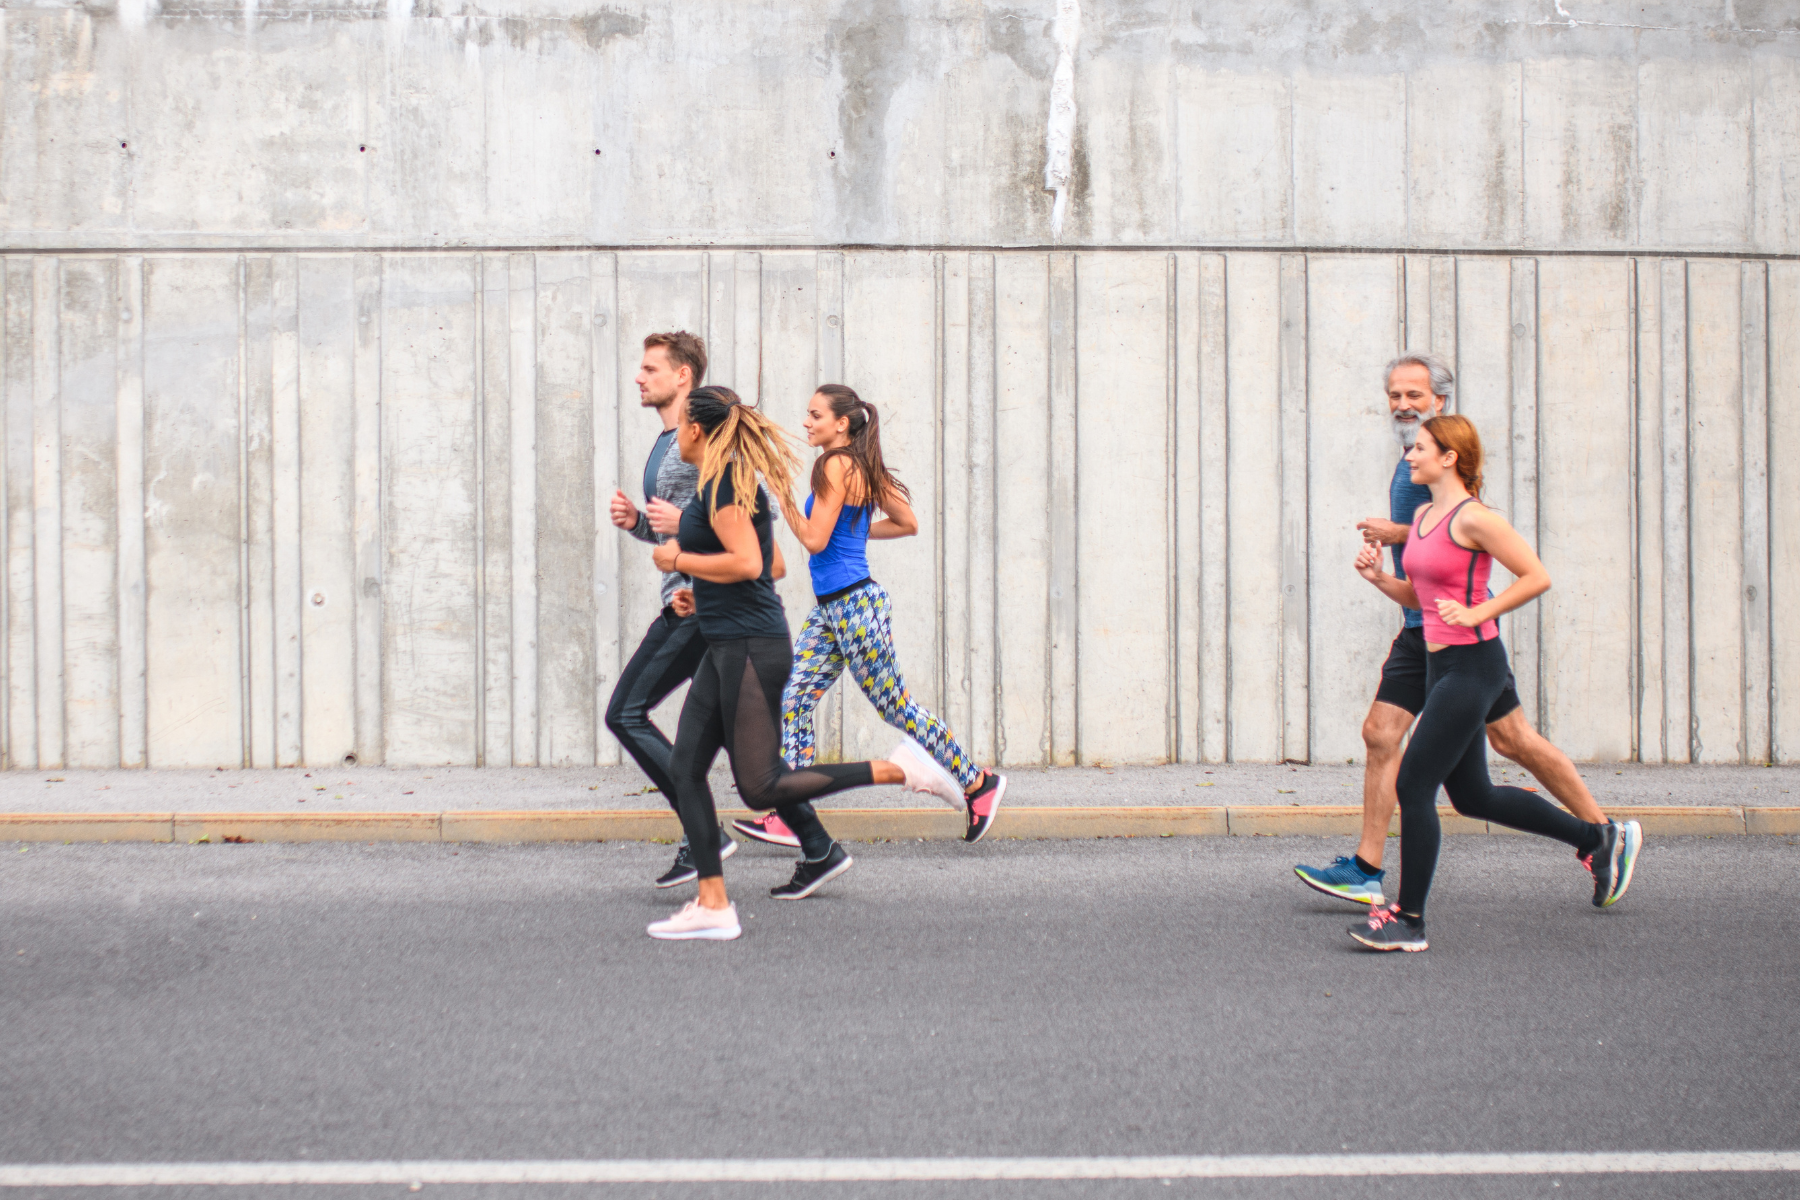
(666, 475)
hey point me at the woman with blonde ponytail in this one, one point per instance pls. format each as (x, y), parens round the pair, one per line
(727, 547)
(851, 624)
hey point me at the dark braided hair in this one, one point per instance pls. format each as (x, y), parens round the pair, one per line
(741, 440)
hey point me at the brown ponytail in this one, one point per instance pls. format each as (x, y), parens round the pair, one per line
(864, 451)
(1454, 432)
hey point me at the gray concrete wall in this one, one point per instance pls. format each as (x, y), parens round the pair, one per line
(319, 326)
(1494, 124)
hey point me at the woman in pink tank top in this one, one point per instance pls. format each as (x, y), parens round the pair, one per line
(1449, 554)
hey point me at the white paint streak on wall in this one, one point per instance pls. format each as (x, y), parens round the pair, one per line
(1059, 137)
(133, 12)
(399, 13)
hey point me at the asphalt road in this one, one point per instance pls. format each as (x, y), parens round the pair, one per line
(1173, 996)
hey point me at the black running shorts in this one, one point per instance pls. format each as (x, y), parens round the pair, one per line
(1403, 678)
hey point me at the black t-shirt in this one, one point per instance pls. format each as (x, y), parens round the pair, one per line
(750, 607)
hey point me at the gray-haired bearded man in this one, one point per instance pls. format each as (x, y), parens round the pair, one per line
(1418, 386)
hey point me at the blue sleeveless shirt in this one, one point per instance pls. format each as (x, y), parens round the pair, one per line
(1404, 498)
(844, 562)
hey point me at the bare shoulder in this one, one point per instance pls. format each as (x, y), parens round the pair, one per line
(1476, 522)
(837, 470)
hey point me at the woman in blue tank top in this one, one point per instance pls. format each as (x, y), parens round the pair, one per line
(855, 498)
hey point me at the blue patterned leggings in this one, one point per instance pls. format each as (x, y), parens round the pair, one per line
(856, 630)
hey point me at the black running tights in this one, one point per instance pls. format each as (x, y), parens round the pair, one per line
(734, 703)
(1449, 747)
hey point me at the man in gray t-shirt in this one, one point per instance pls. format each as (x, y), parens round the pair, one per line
(673, 365)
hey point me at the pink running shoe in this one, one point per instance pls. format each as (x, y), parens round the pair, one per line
(767, 828)
(924, 775)
(693, 923)
(984, 806)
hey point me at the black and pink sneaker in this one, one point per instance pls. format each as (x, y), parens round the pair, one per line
(767, 828)
(1386, 929)
(984, 805)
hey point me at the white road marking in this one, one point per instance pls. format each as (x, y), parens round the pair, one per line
(880, 1170)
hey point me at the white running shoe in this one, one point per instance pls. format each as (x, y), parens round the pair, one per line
(923, 774)
(694, 923)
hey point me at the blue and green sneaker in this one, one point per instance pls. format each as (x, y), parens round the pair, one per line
(1345, 880)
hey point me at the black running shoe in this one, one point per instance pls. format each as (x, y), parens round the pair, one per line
(684, 870)
(1603, 862)
(809, 877)
(1627, 843)
(1385, 930)
(984, 806)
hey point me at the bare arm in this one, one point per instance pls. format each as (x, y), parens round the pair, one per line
(1487, 530)
(814, 532)
(778, 568)
(741, 560)
(1378, 532)
(897, 520)
(1368, 565)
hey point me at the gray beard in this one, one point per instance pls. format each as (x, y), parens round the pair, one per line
(1406, 432)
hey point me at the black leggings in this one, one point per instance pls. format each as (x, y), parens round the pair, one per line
(665, 659)
(1449, 747)
(735, 703)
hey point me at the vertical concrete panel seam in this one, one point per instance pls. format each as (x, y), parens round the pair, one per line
(1171, 516)
(8, 759)
(481, 606)
(1227, 507)
(47, 545)
(245, 713)
(1063, 698)
(522, 379)
(289, 466)
(829, 343)
(1634, 666)
(1756, 546)
(1677, 653)
(1524, 634)
(255, 437)
(603, 365)
(129, 413)
(939, 521)
(983, 553)
(1646, 335)
(1214, 566)
(21, 515)
(1687, 508)
(369, 284)
(1296, 590)
(1442, 301)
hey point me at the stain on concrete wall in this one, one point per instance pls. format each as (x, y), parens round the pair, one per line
(1495, 124)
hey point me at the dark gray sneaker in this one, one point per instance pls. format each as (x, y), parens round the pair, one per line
(1387, 930)
(1613, 861)
(684, 870)
(809, 877)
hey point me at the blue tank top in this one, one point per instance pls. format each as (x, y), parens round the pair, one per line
(1404, 498)
(844, 560)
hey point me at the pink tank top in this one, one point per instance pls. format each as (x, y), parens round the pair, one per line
(1437, 566)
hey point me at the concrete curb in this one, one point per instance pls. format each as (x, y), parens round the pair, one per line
(853, 824)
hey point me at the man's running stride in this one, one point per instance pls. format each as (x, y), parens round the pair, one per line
(1418, 387)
